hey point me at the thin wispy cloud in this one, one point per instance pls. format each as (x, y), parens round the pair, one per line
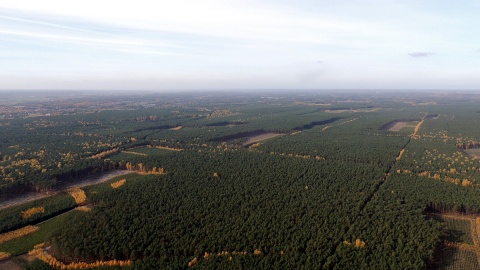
(47, 33)
(421, 54)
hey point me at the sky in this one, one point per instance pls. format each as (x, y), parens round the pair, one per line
(239, 44)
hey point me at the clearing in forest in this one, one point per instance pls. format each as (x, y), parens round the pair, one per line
(461, 249)
(41, 253)
(474, 153)
(176, 128)
(167, 148)
(455, 259)
(261, 137)
(398, 126)
(352, 110)
(135, 153)
(5, 237)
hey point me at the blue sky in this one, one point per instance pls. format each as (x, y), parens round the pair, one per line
(213, 44)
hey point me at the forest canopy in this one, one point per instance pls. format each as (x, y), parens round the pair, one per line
(245, 181)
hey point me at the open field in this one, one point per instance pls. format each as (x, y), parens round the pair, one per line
(398, 126)
(25, 243)
(352, 110)
(474, 153)
(261, 137)
(461, 249)
(457, 259)
(458, 229)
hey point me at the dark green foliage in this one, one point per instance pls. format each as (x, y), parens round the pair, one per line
(26, 243)
(302, 199)
(38, 265)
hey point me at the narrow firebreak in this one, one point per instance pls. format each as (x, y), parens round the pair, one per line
(375, 190)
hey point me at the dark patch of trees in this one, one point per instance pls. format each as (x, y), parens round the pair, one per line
(318, 123)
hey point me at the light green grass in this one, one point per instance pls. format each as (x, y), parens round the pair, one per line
(24, 244)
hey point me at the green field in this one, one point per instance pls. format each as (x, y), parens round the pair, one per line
(24, 244)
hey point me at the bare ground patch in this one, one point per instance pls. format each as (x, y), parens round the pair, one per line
(474, 231)
(474, 153)
(261, 137)
(398, 126)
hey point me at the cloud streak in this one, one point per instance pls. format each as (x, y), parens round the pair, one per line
(420, 54)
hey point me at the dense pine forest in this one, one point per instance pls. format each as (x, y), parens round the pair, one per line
(244, 181)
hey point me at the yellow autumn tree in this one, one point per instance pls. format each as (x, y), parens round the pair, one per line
(4, 256)
(466, 183)
(41, 254)
(32, 211)
(5, 237)
(78, 194)
(359, 243)
(192, 262)
(118, 183)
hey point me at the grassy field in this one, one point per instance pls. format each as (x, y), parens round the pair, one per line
(24, 244)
